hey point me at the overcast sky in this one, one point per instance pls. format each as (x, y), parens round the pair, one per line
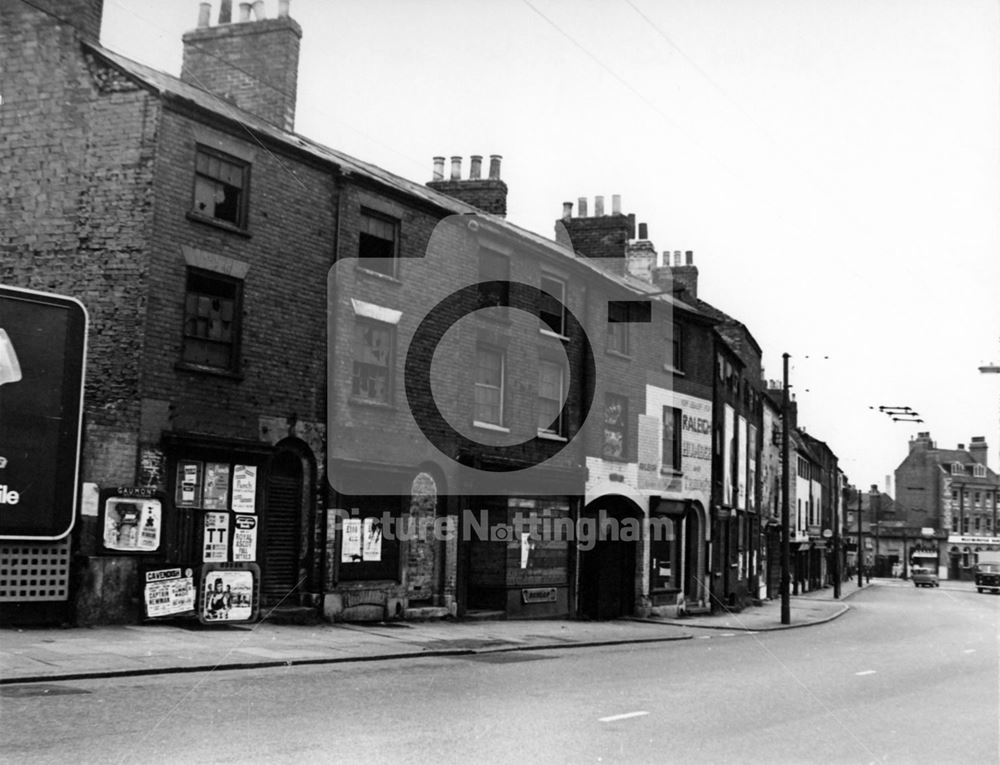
(834, 165)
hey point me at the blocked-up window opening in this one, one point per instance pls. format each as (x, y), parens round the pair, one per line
(372, 361)
(212, 320)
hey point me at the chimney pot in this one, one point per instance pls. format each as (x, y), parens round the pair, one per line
(258, 10)
(438, 168)
(677, 258)
(226, 12)
(204, 15)
(616, 206)
(689, 256)
(495, 167)
(283, 8)
(567, 210)
(581, 207)
(961, 447)
(456, 168)
(643, 230)
(245, 11)
(598, 207)
(475, 167)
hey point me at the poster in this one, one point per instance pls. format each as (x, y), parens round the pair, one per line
(245, 538)
(169, 592)
(188, 484)
(244, 488)
(228, 596)
(132, 524)
(216, 493)
(372, 550)
(216, 547)
(350, 549)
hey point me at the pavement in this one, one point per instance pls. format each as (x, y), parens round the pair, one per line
(41, 655)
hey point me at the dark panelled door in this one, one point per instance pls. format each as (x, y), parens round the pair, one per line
(283, 531)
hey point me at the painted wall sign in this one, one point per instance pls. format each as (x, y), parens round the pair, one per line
(42, 359)
(216, 547)
(244, 488)
(131, 524)
(694, 480)
(245, 538)
(169, 592)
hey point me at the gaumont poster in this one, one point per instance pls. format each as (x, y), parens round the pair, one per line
(132, 524)
(228, 595)
(169, 592)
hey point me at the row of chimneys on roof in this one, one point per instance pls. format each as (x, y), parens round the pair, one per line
(475, 167)
(246, 10)
(977, 446)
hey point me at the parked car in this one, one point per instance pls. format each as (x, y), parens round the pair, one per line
(988, 577)
(924, 577)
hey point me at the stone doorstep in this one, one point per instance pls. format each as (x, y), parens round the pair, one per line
(426, 612)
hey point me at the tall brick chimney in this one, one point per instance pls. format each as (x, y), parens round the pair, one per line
(253, 62)
(977, 448)
(685, 274)
(83, 15)
(488, 194)
(600, 236)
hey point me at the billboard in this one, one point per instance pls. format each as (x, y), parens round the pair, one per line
(42, 355)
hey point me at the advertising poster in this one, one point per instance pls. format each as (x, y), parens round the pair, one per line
(169, 592)
(188, 484)
(350, 549)
(245, 538)
(372, 550)
(228, 596)
(216, 538)
(244, 488)
(132, 524)
(216, 493)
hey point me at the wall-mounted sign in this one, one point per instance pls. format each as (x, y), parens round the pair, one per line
(229, 593)
(130, 524)
(539, 595)
(244, 488)
(245, 538)
(42, 357)
(216, 541)
(169, 592)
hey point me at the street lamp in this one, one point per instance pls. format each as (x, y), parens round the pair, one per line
(786, 606)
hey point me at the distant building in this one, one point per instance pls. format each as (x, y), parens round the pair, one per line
(953, 494)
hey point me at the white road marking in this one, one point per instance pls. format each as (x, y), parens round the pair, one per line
(727, 634)
(866, 672)
(969, 650)
(622, 717)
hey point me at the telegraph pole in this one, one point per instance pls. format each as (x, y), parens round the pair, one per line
(786, 606)
(860, 569)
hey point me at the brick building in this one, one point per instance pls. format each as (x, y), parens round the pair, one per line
(953, 494)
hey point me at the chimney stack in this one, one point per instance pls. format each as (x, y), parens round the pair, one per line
(487, 194)
(602, 237)
(253, 63)
(978, 449)
(685, 275)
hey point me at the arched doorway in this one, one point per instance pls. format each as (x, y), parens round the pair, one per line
(282, 543)
(610, 538)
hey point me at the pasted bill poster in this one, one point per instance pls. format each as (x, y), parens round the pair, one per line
(244, 488)
(228, 596)
(216, 492)
(169, 592)
(245, 538)
(372, 549)
(350, 548)
(216, 549)
(188, 484)
(132, 525)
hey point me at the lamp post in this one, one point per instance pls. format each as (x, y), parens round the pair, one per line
(786, 606)
(860, 568)
(874, 497)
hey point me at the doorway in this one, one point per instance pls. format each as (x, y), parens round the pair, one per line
(281, 579)
(608, 569)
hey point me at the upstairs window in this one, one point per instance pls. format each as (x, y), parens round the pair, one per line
(378, 243)
(372, 376)
(552, 311)
(212, 308)
(671, 438)
(220, 187)
(956, 468)
(979, 471)
(618, 321)
(615, 427)
(550, 398)
(489, 386)
(494, 274)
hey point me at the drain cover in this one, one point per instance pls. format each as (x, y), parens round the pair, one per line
(38, 689)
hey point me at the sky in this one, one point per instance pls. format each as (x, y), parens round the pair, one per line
(834, 166)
